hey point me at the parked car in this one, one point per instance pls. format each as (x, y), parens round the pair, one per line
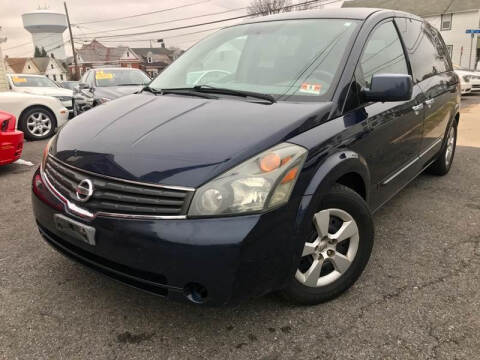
(100, 85)
(38, 116)
(266, 178)
(11, 139)
(70, 85)
(469, 80)
(40, 85)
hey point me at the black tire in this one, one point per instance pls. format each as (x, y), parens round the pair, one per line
(41, 113)
(442, 166)
(343, 198)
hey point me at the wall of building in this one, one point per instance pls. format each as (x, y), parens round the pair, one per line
(458, 38)
(56, 73)
(3, 78)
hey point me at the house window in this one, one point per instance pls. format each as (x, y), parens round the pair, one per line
(149, 60)
(61, 77)
(446, 22)
(128, 54)
(51, 66)
(54, 77)
(29, 67)
(450, 50)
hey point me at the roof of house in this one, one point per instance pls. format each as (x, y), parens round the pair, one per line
(17, 64)
(418, 7)
(157, 51)
(97, 52)
(41, 63)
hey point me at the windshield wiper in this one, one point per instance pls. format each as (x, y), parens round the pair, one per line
(185, 91)
(215, 90)
(150, 89)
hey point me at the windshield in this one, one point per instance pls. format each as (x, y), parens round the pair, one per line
(69, 84)
(295, 58)
(117, 77)
(32, 81)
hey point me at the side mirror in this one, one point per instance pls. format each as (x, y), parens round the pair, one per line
(389, 87)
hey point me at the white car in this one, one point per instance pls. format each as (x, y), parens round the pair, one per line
(469, 77)
(40, 85)
(37, 116)
(465, 84)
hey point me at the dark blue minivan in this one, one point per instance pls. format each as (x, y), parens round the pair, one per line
(254, 162)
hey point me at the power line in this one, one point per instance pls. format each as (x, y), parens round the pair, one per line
(209, 22)
(165, 22)
(143, 14)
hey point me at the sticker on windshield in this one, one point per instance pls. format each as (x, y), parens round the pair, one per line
(17, 79)
(100, 75)
(313, 89)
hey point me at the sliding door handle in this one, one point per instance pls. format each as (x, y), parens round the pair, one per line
(417, 109)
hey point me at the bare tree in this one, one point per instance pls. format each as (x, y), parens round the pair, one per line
(306, 4)
(268, 7)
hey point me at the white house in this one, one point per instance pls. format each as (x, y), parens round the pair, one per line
(48, 66)
(452, 17)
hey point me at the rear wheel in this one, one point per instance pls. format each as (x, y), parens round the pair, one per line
(442, 165)
(37, 123)
(337, 251)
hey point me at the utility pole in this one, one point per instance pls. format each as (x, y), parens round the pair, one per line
(76, 77)
(471, 49)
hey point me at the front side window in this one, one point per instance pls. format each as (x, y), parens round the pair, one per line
(446, 22)
(293, 59)
(382, 54)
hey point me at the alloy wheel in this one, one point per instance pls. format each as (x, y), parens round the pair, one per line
(39, 124)
(332, 251)
(450, 146)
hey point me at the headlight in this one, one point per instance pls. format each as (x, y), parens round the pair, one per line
(466, 78)
(64, 98)
(258, 184)
(103, 100)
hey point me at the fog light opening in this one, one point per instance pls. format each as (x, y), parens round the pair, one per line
(196, 293)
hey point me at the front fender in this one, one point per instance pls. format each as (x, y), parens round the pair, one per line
(334, 167)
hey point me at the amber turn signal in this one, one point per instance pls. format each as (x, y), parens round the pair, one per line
(291, 175)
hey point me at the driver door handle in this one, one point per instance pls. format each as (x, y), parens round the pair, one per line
(417, 109)
(430, 102)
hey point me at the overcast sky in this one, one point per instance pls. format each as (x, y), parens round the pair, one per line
(19, 40)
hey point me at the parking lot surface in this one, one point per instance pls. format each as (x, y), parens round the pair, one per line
(417, 299)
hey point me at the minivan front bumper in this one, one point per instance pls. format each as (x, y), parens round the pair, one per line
(229, 259)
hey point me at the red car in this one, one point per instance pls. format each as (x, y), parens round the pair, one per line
(11, 140)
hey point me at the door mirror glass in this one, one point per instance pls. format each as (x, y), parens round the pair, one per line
(389, 87)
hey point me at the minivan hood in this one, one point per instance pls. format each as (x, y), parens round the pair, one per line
(113, 92)
(178, 140)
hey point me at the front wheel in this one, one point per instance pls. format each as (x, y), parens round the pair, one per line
(37, 123)
(442, 165)
(337, 251)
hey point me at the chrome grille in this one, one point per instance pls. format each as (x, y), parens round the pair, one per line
(116, 196)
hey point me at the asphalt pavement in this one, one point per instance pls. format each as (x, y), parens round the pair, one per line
(419, 297)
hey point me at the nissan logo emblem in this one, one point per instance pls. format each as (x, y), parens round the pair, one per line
(84, 190)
